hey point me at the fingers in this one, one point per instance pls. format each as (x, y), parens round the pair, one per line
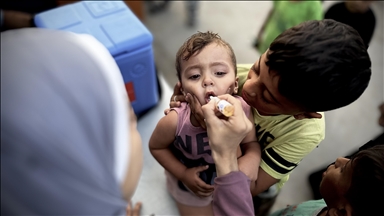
(166, 111)
(176, 98)
(196, 110)
(201, 168)
(204, 189)
(177, 89)
(135, 211)
(209, 110)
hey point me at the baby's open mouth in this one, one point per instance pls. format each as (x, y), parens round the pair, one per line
(208, 96)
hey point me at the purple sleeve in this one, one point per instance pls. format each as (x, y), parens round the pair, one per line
(232, 195)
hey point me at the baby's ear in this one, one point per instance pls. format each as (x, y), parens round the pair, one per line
(236, 88)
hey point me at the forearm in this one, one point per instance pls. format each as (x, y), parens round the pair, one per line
(168, 160)
(250, 161)
(225, 163)
(263, 182)
(232, 196)
(251, 150)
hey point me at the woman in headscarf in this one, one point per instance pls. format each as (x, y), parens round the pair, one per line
(68, 140)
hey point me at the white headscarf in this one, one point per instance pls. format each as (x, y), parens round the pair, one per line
(64, 125)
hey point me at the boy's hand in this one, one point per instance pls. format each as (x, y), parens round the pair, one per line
(135, 211)
(195, 184)
(176, 98)
(195, 106)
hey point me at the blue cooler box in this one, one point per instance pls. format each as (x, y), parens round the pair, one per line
(122, 33)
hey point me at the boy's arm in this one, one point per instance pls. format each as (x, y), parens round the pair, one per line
(281, 159)
(250, 161)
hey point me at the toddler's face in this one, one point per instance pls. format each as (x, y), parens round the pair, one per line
(336, 181)
(210, 72)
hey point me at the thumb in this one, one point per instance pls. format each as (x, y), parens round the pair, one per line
(201, 168)
(209, 110)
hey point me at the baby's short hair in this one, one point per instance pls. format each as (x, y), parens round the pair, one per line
(194, 44)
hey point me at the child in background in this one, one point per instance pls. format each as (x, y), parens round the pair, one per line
(349, 186)
(284, 15)
(357, 14)
(206, 66)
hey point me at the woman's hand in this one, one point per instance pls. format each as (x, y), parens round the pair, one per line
(225, 134)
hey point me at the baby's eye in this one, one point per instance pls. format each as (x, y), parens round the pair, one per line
(220, 73)
(193, 77)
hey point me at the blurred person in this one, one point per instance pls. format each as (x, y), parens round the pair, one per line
(20, 13)
(206, 66)
(69, 143)
(351, 187)
(284, 15)
(308, 69)
(357, 14)
(315, 177)
(191, 8)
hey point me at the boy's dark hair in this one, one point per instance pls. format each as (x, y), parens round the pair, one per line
(194, 44)
(323, 65)
(365, 193)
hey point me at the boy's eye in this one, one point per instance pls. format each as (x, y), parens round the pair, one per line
(256, 70)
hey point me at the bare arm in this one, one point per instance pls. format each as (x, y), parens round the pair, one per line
(250, 161)
(162, 137)
(263, 182)
(231, 195)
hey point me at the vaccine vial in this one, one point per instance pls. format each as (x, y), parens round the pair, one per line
(223, 106)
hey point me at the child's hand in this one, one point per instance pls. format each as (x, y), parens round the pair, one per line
(195, 184)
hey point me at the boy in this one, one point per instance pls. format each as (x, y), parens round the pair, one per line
(349, 187)
(206, 66)
(313, 67)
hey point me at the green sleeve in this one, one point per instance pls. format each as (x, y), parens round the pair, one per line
(242, 74)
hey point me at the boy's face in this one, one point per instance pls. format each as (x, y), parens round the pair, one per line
(261, 91)
(208, 73)
(336, 181)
